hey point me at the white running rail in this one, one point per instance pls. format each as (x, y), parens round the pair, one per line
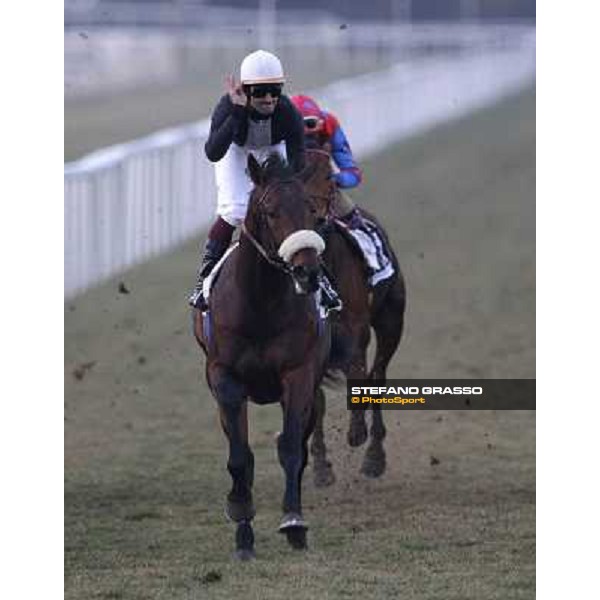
(126, 203)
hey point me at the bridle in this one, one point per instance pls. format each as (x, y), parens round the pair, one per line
(273, 259)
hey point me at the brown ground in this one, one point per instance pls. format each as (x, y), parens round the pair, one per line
(145, 474)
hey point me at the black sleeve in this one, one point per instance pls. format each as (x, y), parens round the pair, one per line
(294, 140)
(224, 123)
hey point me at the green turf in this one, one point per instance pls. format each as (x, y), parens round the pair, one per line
(145, 475)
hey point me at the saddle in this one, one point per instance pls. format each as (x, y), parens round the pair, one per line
(212, 277)
(370, 244)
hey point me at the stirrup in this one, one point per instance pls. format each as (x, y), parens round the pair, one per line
(330, 299)
(332, 304)
(196, 299)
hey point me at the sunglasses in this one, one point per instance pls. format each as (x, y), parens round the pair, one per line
(311, 122)
(260, 91)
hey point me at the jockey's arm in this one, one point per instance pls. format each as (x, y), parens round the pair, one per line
(294, 139)
(224, 123)
(349, 174)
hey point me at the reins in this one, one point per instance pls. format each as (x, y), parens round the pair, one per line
(276, 261)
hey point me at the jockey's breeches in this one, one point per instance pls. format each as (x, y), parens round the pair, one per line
(233, 183)
(342, 204)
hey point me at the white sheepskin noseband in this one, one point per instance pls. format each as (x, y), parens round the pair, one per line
(299, 240)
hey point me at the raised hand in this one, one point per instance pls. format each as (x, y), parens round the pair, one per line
(235, 91)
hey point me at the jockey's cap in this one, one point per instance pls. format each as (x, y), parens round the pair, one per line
(314, 122)
(261, 67)
(307, 106)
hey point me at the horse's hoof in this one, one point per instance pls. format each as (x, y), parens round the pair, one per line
(292, 520)
(324, 476)
(357, 435)
(373, 469)
(244, 554)
(239, 511)
(294, 527)
(374, 463)
(296, 538)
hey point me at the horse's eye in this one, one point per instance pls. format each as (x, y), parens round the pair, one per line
(272, 214)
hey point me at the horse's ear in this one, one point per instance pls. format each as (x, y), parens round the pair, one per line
(255, 170)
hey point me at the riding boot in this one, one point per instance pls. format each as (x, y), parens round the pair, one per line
(329, 297)
(213, 252)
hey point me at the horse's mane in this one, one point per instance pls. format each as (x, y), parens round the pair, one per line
(276, 168)
(310, 142)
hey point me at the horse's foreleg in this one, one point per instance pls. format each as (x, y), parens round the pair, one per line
(298, 424)
(374, 461)
(388, 325)
(323, 473)
(357, 432)
(233, 412)
(240, 463)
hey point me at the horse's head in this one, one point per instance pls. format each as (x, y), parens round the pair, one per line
(281, 221)
(319, 183)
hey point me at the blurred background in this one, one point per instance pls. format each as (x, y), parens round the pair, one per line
(437, 98)
(134, 68)
(118, 52)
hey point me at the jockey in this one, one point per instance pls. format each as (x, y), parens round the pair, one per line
(253, 117)
(324, 128)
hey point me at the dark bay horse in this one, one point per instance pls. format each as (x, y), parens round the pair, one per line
(266, 341)
(381, 308)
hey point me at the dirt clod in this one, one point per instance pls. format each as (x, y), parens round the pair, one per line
(142, 515)
(81, 370)
(210, 577)
(434, 461)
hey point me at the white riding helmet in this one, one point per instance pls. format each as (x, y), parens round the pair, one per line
(261, 67)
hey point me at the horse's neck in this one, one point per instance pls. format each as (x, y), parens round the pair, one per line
(260, 283)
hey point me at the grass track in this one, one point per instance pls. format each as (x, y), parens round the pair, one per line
(145, 474)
